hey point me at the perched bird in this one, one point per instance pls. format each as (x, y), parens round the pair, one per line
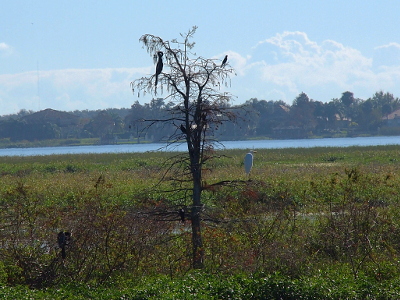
(248, 161)
(182, 215)
(183, 129)
(224, 61)
(204, 118)
(159, 65)
(61, 239)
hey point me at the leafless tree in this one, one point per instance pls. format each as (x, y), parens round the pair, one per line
(197, 88)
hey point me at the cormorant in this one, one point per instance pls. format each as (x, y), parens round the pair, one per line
(159, 65)
(183, 129)
(62, 241)
(224, 61)
(204, 118)
(182, 215)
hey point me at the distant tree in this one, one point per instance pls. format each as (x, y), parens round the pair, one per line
(385, 102)
(369, 116)
(347, 98)
(133, 121)
(319, 114)
(349, 106)
(262, 116)
(302, 112)
(301, 100)
(193, 84)
(367, 106)
(333, 111)
(104, 123)
(13, 129)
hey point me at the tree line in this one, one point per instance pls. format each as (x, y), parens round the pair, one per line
(344, 116)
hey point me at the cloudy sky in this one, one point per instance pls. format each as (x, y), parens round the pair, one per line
(74, 55)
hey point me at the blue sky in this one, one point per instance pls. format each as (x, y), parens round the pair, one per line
(74, 55)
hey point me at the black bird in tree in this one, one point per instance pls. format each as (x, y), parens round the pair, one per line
(224, 61)
(183, 129)
(63, 239)
(182, 215)
(159, 65)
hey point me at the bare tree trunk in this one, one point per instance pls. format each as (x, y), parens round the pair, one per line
(197, 242)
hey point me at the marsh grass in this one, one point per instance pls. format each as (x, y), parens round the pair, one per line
(302, 212)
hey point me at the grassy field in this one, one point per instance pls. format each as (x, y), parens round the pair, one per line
(315, 223)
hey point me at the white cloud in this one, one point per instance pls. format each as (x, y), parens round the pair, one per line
(386, 56)
(390, 45)
(302, 61)
(291, 61)
(277, 68)
(5, 50)
(68, 89)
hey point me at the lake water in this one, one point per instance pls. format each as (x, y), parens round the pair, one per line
(258, 144)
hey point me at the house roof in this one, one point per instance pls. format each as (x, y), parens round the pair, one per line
(393, 115)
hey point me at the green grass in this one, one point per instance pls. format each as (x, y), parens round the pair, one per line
(206, 286)
(309, 224)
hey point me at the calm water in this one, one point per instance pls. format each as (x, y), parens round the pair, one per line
(259, 144)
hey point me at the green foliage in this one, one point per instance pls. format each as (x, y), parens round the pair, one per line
(310, 224)
(328, 284)
(347, 116)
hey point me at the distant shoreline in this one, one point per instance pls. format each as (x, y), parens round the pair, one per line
(221, 145)
(96, 141)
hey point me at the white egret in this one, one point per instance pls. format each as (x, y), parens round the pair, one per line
(248, 161)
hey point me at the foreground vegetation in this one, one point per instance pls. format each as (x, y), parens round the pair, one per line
(319, 223)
